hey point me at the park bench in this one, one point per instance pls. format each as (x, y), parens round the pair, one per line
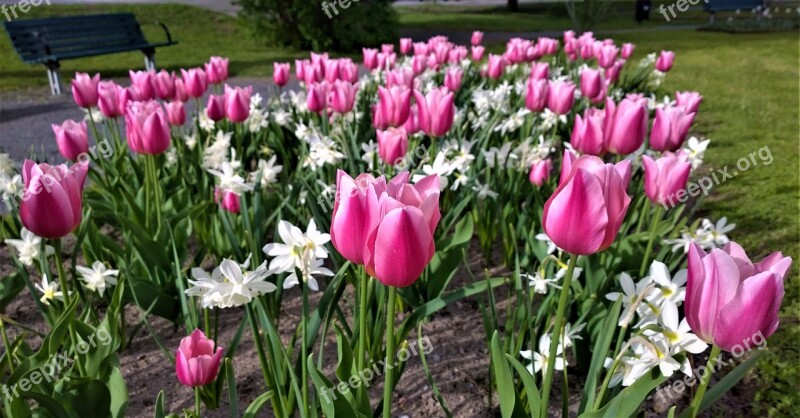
(48, 41)
(713, 6)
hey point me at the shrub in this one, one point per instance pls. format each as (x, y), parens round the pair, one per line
(305, 24)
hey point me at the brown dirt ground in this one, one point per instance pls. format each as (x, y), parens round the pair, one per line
(458, 361)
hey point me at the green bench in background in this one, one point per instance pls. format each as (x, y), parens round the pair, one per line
(48, 41)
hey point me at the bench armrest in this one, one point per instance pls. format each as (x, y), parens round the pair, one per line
(166, 30)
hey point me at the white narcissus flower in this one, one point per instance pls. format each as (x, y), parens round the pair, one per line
(233, 287)
(230, 181)
(28, 247)
(299, 250)
(539, 283)
(49, 291)
(540, 358)
(268, 171)
(630, 293)
(7, 165)
(98, 277)
(678, 334)
(667, 289)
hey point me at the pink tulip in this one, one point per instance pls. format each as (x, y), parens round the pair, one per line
(147, 128)
(108, 99)
(664, 61)
(690, 100)
(587, 135)
(331, 70)
(180, 90)
(539, 70)
(412, 123)
(196, 362)
(419, 63)
(436, 111)
(670, 127)
(72, 139)
(626, 126)
(195, 82)
(400, 77)
(536, 94)
(405, 45)
(394, 104)
(452, 78)
(84, 90)
(176, 113)
(300, 69)
(569, 35)
(392, 145)
(612, 73)
(237, 103)
(584, 214)
(566, 164)
(164, 85)
(496, 66)
(663, 178)
(229, 201)
(540, 171)
(52, 202)
(217, 70)
(592, 85)
(477, 38)
(370, 58)
(560, 96)
(215, 108)
(143, 81)
(348, 70)
(731, 301)
(386, 227)
(317, 97)
(280, 73)
(343, 96)
(477, 52)
(627, 50)
(607, 56)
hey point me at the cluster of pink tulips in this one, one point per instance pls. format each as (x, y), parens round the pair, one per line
(546, 154)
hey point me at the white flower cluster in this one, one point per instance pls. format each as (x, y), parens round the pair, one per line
(661, 338)
(708, 236)
(233, 284)
(540, 357)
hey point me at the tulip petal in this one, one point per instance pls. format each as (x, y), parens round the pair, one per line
(575, 217)
(747, 313)
(403, 247)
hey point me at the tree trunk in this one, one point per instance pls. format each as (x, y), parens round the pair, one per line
(513, 5)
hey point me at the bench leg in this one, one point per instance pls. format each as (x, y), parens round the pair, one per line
(149, 60)
(54, 78)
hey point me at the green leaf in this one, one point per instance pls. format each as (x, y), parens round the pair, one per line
(602, 345)
(232, 396)
(628, 401)
(92, 399)
(502, 375)
(258, 403)
(330, 402)
(529, 383)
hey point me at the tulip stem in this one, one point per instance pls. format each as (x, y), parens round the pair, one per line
(388, 366)
(362, 327)
(551, 357)
(646, 259)
(698, 397)
(197, 401)
(304, 344)
(62, 280)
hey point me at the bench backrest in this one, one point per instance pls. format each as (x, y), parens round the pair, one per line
(743, 5)
(37, 38)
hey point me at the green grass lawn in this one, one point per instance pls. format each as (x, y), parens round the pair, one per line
(750, 84)
(200, 33)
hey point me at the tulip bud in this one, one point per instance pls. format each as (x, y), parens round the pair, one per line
(237, 103)
(108, 101)
(228, 200)
(477, 53)
(540, 171)
(690, 100)
(731, 301)
(664, 61)
(72, 139)
(392, 145)
(394, 104)
(592, 85)
(317, 97)
(665, 177)
(536, 94)
(670, 127)
(164, 85)
(436, 111)
(587, 135)
(143, 80)
(405, 45)
(195, 82)
(147, 128)
(626, 126)
(584, 214)
(176, 113)
(560, 96)
(539, 70)
(452, 78)
(496, 66)
(52, 205)
(280, 73)
(343, 96)
(477, 38)
(215, 109)
(627, 50)
(370, 58)
(196, 362)
(84, 90)
(217, 70)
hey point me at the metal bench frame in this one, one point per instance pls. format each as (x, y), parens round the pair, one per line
(21, 31)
